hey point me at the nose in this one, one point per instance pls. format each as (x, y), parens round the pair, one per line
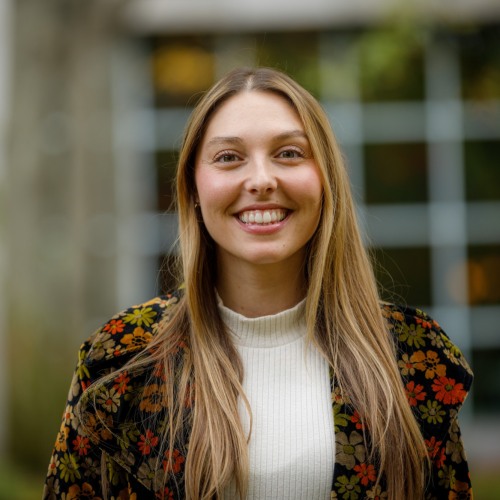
(261, 177)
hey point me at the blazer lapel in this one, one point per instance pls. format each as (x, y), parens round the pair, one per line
(353, 476)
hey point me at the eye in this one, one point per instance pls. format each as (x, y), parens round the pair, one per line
(226, 157)
(291, 154)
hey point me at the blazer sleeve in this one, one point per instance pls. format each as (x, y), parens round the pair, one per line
(449, 475)
(437, 379)
(75, 465)
(80, 456)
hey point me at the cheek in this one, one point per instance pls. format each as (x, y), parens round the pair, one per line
(214, 192)
(309, 189)
(205, 186)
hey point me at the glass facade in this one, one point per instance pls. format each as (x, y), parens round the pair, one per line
(417, 112)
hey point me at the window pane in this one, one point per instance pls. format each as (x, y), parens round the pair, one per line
(395, 173)
(392, 66)
(294, 53)
(181, 67)
(482, 171)
(484, 274)
(404, 274)
(486, 367)
(480, 63)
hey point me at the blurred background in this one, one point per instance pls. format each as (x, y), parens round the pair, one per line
(94, 97)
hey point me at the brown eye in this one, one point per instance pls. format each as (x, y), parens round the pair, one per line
(290, 154)
(226, 158)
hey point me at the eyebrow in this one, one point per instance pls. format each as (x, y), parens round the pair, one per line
(238, 140)
(224, 140)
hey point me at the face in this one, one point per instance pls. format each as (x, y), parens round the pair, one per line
(258, 186)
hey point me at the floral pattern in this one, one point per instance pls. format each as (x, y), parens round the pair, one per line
(113, 435)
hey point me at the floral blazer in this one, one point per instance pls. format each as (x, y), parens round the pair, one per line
(123, 446)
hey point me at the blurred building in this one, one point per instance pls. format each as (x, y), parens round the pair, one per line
(412, 94)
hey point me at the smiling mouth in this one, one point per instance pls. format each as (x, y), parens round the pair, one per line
(263, 217)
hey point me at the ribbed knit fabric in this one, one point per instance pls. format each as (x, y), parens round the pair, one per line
(292, 446)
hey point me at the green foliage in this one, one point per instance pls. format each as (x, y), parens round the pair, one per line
(392, 62)
(18, 484)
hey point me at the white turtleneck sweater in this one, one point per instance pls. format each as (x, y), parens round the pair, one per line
(292, 445)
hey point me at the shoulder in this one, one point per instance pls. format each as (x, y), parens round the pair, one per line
(111, 404)
(435, 373)
(128, 332)
(422, 343)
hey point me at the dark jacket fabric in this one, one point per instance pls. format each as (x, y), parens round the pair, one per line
(113, 433)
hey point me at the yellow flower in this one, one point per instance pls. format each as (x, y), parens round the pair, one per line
(144, 315)
(62, 438)
(69, 468)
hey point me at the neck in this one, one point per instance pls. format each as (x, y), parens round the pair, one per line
(255, 291)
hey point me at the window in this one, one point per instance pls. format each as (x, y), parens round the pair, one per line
(480, 63)
(486, 380)
(395, 173)
(484, 274)
(482, 170)
(404, 274)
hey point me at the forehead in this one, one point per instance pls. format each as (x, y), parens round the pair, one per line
(253, 109)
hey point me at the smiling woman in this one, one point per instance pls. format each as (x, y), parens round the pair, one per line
(273, 371)
(259, 191)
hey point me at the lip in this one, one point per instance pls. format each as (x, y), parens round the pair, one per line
(262, 206)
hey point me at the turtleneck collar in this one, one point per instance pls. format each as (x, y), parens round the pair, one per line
(266, 331)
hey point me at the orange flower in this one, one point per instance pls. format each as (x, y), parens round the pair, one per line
(366, 473)
(121, 383)
(440, 458)
(173, 463)
(114, 326)
(146, 442)
(153, 399)
(99, 425)
(159, 371)
(435, 451)
(399, 316)
(138, 338)
(428, 363)
(356, 419)
(432, 446)
(461, 491)
(81, 445)
(166, 494)
(425, 324)
(414, 393)
(189, 399)
(86, 491)
(448, 390)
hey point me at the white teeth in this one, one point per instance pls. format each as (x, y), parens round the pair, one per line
(262, 216)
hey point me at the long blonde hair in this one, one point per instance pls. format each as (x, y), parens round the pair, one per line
(344, 319)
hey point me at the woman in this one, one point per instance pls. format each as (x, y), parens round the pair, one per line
(274, 372)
